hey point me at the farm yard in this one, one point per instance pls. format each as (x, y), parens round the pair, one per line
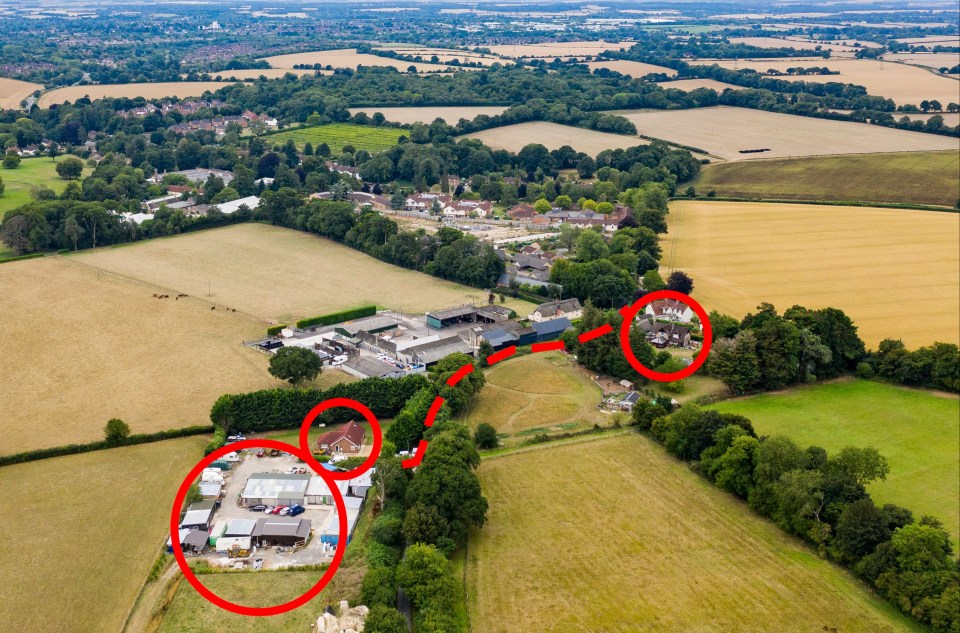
(902, 177)
(703, 560)
(553, 136)
(903, 83)
(868, 262)
(692, 84)
(539, 393)
(350, 58)
(32, 172)
(633, 69)
(13, 91)
(103, 347)
(726, 131)
(280, 274)
(427, 114)
(105, 516)
(337, 135)
(160, 90)
(919, 440)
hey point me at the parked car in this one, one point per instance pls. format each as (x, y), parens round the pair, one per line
(235, 438)
(285, 512)
(259, 508)
(268, 510)
(277, 510)
(296, 509)
(261, 452)
(274, 452)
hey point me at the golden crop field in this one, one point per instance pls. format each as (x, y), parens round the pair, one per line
(83, 531)
(903, 83)
(82, 348)
(932, 40)
(13, 91)
(280, 274)
(724, 131)
(798, 43)
(350, 58)
(444, 55)
(693, 84)
(159, 90)
(636, 541)
(427, 114)
(929, 60)
(553, 135)
(865, 261)
(633, 69)
(557, 49)
(250, 74)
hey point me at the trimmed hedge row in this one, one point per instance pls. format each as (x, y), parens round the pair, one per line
(73, 449)
(337, 317)
(18, 258)
(272, 409)
(274, 330)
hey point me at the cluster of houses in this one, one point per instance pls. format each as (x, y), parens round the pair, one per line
(218, 124)
(174, 200)
(444, 204)
(580, 218)
(530, 265)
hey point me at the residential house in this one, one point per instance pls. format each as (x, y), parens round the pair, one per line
(424, 201)
(468, 208)
(522, 212)
(661, 335)
(347, 439)
(569, 308)
(670, 309)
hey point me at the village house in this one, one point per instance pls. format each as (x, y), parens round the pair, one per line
(468, 208)
(569, 308)
(661, 335)
(347, 170)
(347, 439)
(424, 201)
(522, 212)
(670, 309)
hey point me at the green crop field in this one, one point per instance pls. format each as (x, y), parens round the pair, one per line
(31, 173)
(614, 535)
(82, 532)
(917, 431)
(336, 135)
(903, 177)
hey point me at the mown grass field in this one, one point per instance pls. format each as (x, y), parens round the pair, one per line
(917, 431)
(32, 172)
(538, 393)
(82, 532)
(337, 135)
(866, 261)
(82, 347)
(902, 177)
(281, 274)
(636, 542)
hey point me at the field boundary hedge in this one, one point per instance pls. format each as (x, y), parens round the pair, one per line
(74, 449)
(17, 258)
(335, 317)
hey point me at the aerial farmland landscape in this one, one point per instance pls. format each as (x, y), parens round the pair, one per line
(448, 317)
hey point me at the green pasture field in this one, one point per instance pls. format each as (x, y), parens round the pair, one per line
(336, 135)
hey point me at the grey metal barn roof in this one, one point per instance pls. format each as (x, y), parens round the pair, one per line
(369, 324)
(435, 353)
(240, 527)
(275, 485)
(452, 313)
(371, 368)
(556, 326)
(282, 526)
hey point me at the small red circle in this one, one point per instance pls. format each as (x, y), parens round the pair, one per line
(629, 312)
(232, 606)
(360, 408)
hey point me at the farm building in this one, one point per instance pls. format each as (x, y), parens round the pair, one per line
(198, 516)
(551, 330)
(670, 309)
(240, 527)
(358, 486)
(330, 532)
(363, 367)
(217, 531)
(318, 492)
(569, 308)
(467, 314)
(210, 490)
(190, 541)
(433, 352)
(371, 325)
(251, 202)
(226, 543)
(274, 489)
(347, 439)
(280, 531)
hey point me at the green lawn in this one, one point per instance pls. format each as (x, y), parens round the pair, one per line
(31, 172)
(903, 177)
(336, 135)
(918, 432)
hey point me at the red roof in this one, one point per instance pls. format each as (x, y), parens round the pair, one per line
(350, 431)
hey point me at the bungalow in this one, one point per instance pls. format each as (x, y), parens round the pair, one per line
(347, 439)
(671, 310)
(627, 402)
(569, 308)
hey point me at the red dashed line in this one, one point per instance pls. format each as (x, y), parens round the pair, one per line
(414, 461)
(459, 375)
(503, 354)
(434, 410)
(596, 333)
(546, 347)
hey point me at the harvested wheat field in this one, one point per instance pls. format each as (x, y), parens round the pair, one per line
(865, 261)
(903, 83)
(932, 40)
(13, 91)
(553, 135)
(444, 55)
(450, 114)
(633, 69)
(929, 60)
(693, 84)
(105, 516)
(180, 89)
(552, 50)
(726, 131)
(350, 58)
(81, 348)
(250, 74)
(801, 44)
(615, 535)
(279, 274)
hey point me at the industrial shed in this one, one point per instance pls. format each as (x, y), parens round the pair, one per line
(240, 527)
(226, 543)
(318, 492)
(363, 367)
(198, 515)
(330, 532)
(274, 489)
(281, 531)
(440, 319)
(210, 490)
(371, 325)
(551, 330)
(358, 486)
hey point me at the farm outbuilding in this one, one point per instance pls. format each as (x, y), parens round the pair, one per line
(358, 486)
(240, 527)
(371, 325)
(210, 490)
(330, 532)
(440, 319)
(198, 515)
(551, 330)
(318, 492)
(216, 532)
(274, 489)
(226, 543)
(281, 531)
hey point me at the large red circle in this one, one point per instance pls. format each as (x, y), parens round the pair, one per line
(232, 606)
(629, 312)
(360, 408)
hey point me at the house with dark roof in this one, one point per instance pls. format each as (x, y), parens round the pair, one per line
(661, 335)
(348, 439)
